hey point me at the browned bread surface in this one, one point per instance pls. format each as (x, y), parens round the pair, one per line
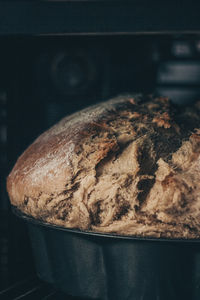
(130, 166)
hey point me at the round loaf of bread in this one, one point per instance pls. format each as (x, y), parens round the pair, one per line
(129, 166)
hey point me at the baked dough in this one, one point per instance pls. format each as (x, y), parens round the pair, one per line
(129, 166)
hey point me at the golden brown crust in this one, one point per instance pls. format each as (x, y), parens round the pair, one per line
(129, 165)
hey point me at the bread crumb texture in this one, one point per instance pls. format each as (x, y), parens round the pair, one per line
(129, 166)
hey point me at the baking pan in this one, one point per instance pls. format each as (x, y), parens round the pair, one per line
(104, 266)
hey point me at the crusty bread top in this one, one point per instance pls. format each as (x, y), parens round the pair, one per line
(129, 165)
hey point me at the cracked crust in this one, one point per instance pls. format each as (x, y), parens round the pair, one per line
(130, 166)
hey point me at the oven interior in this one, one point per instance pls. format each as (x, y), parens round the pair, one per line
(44, 78)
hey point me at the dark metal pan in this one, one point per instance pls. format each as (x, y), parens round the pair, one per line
(113, 267)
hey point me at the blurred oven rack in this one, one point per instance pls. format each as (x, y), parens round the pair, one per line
(32, 289)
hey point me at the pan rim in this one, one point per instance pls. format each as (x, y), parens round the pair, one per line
(29, 219)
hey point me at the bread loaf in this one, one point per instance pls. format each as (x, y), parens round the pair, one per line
(129, 166)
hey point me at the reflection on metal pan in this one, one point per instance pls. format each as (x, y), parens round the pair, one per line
(99, 266)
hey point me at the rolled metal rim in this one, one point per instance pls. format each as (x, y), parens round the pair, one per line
(38, 222)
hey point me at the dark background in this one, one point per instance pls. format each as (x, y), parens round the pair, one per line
(58, 57)
(45, 78)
